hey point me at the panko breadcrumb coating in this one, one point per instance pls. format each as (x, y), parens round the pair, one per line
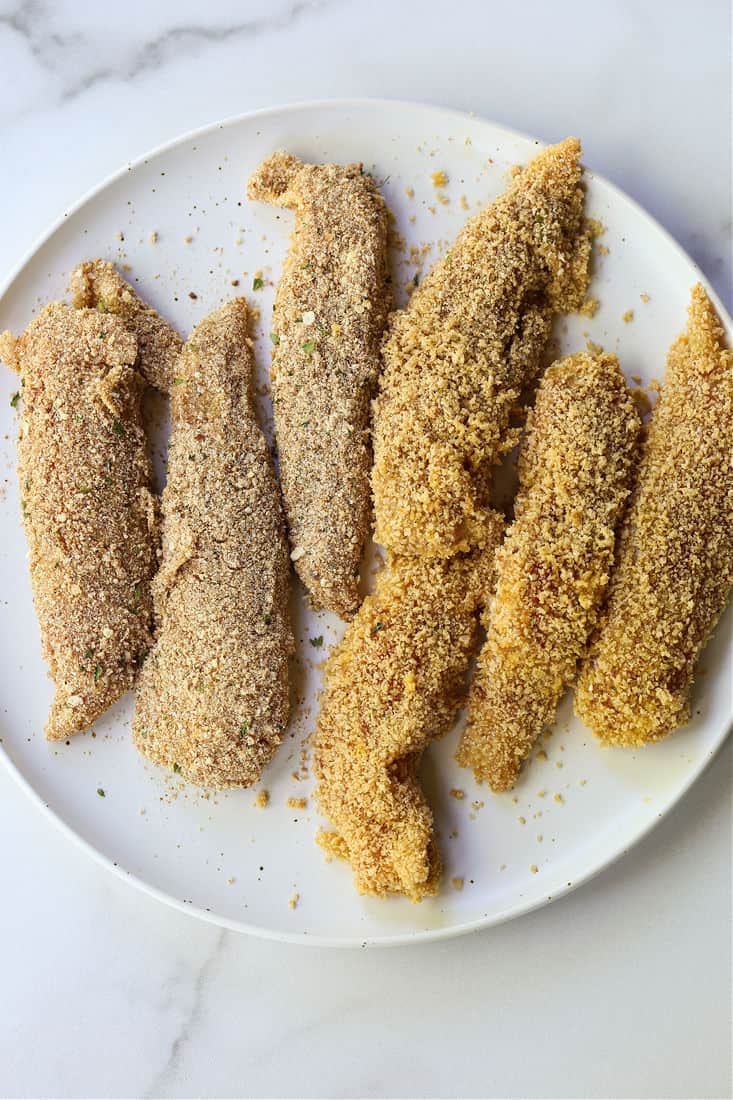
(457, 358)
(97, 284)
(213, 695)
(394, 683)
(675, 558)
(575, 471)
(88, 511)
(330, 313)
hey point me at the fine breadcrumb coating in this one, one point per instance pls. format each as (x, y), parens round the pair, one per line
(329, 317)
(97, 284)
(212, 701)
(575, 470)
(457, 359)
(394, 683)
(88, 511)
(675, 556)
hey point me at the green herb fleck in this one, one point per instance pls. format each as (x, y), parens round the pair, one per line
(375, 629)
(102, 306)
(139, 660)
(15, 399)
(275, 338)
(309, 347)
(100, 792)
(138, 590)
(266, 620)
(97, 673)
(257, 283)
(244, 729)
(117, 427)
(316, 642)
(89, 653)
(177, 768)
(177, 381)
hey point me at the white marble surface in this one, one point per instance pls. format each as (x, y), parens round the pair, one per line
(620, 990)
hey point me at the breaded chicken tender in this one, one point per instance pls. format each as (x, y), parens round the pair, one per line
(458, 357)
(675, 556)
(213, 696)
(394, 683)
(97, 284)
(88, 511)
(330, 313)
(575, 471)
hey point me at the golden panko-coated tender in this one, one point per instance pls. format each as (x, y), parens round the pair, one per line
(675, 555)
(394, 683)
(212, 701)
(576, 465)
(330, 312)
(88, 511)
(97, 284)
(457, 359)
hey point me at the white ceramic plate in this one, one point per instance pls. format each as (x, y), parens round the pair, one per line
(221, 856)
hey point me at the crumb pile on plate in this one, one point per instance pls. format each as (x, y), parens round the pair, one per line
(186, 598)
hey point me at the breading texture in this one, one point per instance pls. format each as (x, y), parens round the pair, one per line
(213, 695)
(457, 358)
(97, 284)
(675, 557)
(88, 511)
(330, 312)
(576, 465)
(394, 683)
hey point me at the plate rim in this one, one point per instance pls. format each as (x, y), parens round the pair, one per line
(519, 908)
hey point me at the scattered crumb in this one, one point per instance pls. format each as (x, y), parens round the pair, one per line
(457, 793)
(294, 901)
(541, 794)
(542, 755)
(583, 782)
(119, 236)
(522, 820)
(603, 249)
(627, 317)
(589, 307)
(410, 192)
(644, 297)
(457, 883)
(502, 866)
(464, 203)
(539, 838)
(439, 179)
(231, 881)
(558, 798)
(188, 239)
(297, 803)
(153, 238)
(534, 868)
(558, 763)
(262, 799)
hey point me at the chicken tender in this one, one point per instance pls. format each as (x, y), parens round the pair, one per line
(88, 511)
(330, 313)
(458, 357)
(395, 682)
(575, 471)
(97, 284)
(675, 557)
(212, 701)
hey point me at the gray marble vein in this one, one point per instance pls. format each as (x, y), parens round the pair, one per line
(192, 1016)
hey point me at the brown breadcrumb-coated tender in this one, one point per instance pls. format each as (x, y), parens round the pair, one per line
(575, 471)
(330, 312)
(457, 359)
(213, 695)
(98, 285)
(675, 557)
(88, 512)
(394, 683)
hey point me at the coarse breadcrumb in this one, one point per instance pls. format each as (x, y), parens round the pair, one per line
(675, 556)
(213, 695)
(393, 684)
(457, 358)
(575, 470)
(88, 511)
(97, 284)
(329, 316)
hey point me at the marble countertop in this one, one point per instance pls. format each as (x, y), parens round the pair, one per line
(621, 989)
